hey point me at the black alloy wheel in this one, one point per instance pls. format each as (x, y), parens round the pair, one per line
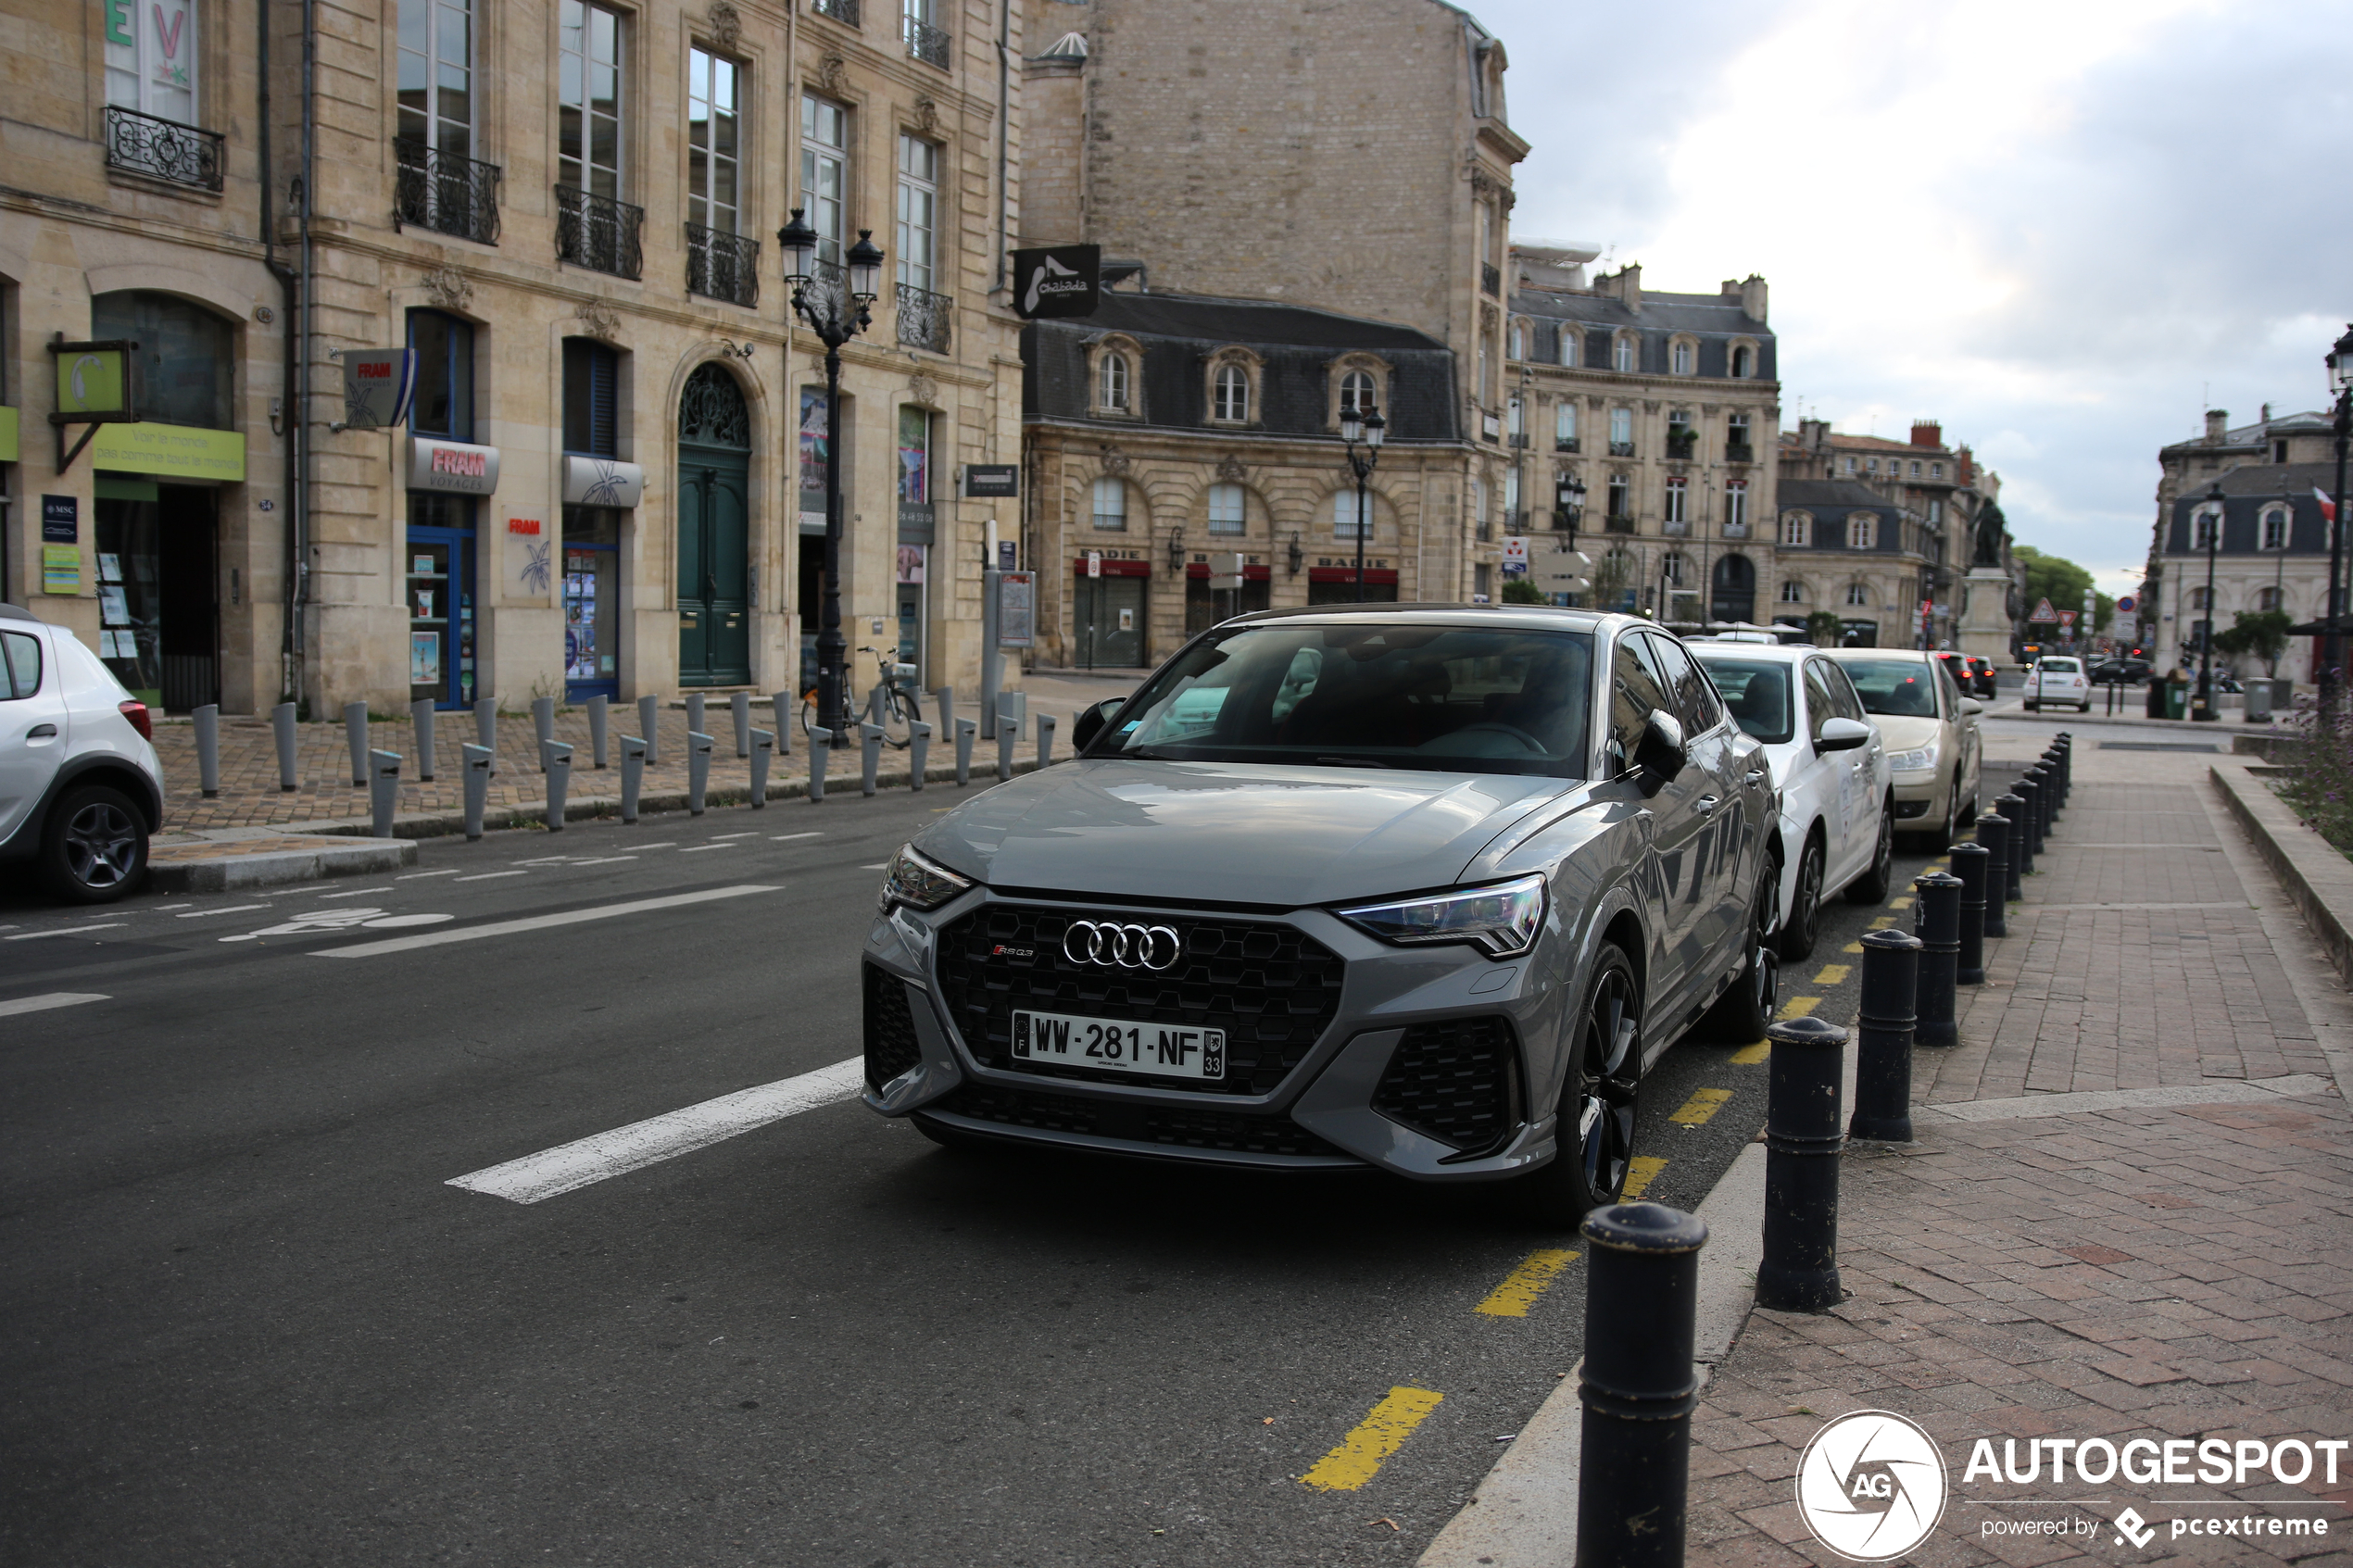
(1872, 886)
(1741, 1015)
(1594, 1132)
(94, 848)
(1803, 927)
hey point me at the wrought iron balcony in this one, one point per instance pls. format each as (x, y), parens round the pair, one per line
(923, 318)
(1676, 528)
(722, 266)
(599, 233)
(843, 11)
(1490, 278)
(925, 43)
(1519, 439)
(1618, 524)
(1739, 452)
(444, 193)
(1736, 531)
(1563, 522)
(1621, 448)
(163, 149)
(1680, 447)
(1571, 445)
(1515, 520)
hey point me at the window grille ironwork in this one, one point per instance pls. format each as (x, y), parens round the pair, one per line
(723, 266)
(843, 11)
(163, 149)
(446, 193)
(1490, 278)
(600, 233)
(925, 43)
(711, 410)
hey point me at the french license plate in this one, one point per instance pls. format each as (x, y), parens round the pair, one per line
(1167, 1050)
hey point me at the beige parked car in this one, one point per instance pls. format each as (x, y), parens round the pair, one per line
(1934, 746)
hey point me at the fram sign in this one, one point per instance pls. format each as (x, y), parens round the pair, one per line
(376, 382)
(452, 466)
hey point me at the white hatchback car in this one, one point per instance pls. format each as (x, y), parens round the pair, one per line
(2058, 679)
(80, 786)
(1838, 812)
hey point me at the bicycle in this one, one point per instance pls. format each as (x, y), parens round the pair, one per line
(894, 697)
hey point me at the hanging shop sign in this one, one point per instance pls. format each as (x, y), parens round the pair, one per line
(9, 435)
(171, 452)
(61, 569)
(600, 482)
(376, 384)
(1057, 280)
(93, 380)
(996, 481)
(452, 466)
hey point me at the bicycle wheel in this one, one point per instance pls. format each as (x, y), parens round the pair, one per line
(808, 711)
(897, 714)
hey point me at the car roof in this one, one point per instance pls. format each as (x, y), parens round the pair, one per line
(1534, 618)
(16, 612)
(1781, 653)
(1919, 653)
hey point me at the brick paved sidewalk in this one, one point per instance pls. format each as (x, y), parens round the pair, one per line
(2177, 1273)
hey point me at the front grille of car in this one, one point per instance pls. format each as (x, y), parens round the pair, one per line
(1455, 1080)
(1272, 988)
(891, 1028)
(1023, 1108)
(1221, 1130)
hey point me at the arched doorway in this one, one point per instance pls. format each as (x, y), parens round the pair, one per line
(714, 532)
(1734, 586)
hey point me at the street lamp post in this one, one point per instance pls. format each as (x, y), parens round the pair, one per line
(1362, 423)
(838, 315)
(2204, 706)
(2340, 364)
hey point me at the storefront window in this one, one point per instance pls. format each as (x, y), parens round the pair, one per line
(914, 454)
(186, 356)
(444, 404)
(592, 608)
(440, 553)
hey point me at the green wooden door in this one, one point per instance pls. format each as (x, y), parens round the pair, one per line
(714, 532)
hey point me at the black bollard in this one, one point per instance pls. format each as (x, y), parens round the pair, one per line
(2066, 743)
(2046, 792)
(1940, 896)
(2012, 807)
(1884, 1038)
(1637, 1384)
(2023, 843)
(1971, 863)
(1799, 1271)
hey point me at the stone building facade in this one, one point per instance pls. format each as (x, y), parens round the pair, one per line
(606, 480)
(1665, 406)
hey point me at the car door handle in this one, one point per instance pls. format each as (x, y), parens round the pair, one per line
(41, 732)
(1708, 803)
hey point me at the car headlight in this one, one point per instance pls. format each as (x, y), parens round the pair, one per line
(918, 884)
(1919, 759)
(1502, 918)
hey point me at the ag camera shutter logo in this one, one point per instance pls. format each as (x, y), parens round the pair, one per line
(1871, 1485)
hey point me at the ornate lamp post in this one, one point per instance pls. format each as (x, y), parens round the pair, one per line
(836, 314)
(1569, 505)
(2203, 707)
(1362, 423)
(2340, 364)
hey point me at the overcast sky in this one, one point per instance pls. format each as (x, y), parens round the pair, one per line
(2062, 227)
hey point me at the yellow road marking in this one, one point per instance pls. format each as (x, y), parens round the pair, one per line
(1798, 1007)
(1703, 1104)
(1852, 948)
(1899, 903)
(1833, 974)
(1749, 1056)
(1522, 1285)
(1884, 920)
(1640, 1172)
(1379, 1434)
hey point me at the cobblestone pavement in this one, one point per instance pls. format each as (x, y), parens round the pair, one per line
(2169, 1272)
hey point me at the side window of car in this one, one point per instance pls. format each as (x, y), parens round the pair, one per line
(1635, 692)
(23, 652)
(1952, 693)
(1848, 701)
(1821, 698)
(1695, 701)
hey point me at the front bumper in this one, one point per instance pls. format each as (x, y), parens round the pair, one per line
(1425, 1063)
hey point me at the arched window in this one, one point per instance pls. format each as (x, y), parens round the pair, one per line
(1226, 510)
(2267, 599)
(1792, 592)
(1797, 528)
(2275, 530)
(186, 356)
(1860, 594)
(1743, 362)
(1233, 393)
(1685, 355)
(1569, 335)
(2197, 598)
(1623, 354)
(1111, 384)
(2202, 535)
(1732, 589)
(1670, 567)
(1111, 503)
(1344, 514)
(1356, 392)
(1862, 532)
(1519, 349)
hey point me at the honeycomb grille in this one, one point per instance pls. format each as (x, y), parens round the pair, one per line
(1456, 1081)
(1271, 988)
(891, 1028)
(1221, 1130)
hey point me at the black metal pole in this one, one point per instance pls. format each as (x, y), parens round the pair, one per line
(2331, 650)
(1359, 467)
(1939, 906)
(1884, 1038)
(1993, 831)
(1637, 1385)
(1970, 864)
(1799, 1269)
(831, 646)
(2204, 706)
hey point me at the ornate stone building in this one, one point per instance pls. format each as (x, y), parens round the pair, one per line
(606, 480)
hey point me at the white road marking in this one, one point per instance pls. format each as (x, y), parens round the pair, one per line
(562, 1169)
(698, 848)
(487, 876)
(542, 860)
(535, 923)
(69, 931)
(229, 910)
(16, 1005)
(605, 860)
(877, 866)
(412, 876)
(348, 917)
(788, 838)
(749, 832)
(355, 892)
(671, 844)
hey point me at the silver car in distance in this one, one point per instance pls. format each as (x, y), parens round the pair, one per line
(1421, 888)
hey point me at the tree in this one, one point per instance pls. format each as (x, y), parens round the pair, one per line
(2062, 582)
(1823, 629)
(1521, 590)
(2260, 633)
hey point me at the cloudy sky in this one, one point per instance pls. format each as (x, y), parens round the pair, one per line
(2063, 227)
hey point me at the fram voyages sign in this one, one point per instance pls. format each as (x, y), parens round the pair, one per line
(376, 382)
(452, 465)
(1057, 280)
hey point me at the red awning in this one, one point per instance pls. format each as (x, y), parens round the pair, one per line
(1348, 574)
(1250, 573)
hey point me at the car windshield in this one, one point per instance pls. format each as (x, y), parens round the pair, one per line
(1442, 698)
(1756, 692)
(2063, 666)
(1899, 688)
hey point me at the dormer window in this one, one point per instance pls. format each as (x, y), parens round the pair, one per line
(1569, 335)
(1684, 356)
(1623, 354)
(1743, 362)
(1232, 402)
(1797, 528)
(1113, 394)
(2275, 530)
(1356, 392)
(1862, 532)
(1519, 349)
(2202, 535)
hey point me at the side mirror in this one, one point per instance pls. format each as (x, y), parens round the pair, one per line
(1090, 724)
(1970, 705)
(1843, 734)
(1662, 754)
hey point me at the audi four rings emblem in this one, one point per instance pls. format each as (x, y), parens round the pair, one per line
(1128, 947)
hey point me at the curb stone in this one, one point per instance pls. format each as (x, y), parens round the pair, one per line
(2318, 879)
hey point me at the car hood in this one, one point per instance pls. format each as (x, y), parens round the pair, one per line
(1903, 733)
(1234, 832)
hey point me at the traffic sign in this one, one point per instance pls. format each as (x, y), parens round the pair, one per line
(1095, 563)
(2044, 613)
(2127, 604)
(2066, 618)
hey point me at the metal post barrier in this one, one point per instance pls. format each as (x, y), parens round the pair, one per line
(281, 724)
(763, 747)
(2013, 809)
(2022, 842)
(874, 703)
(486, 725)
(918, 753)
(1940, 896)
(2038, 817)
(649, 728)
(870, 739)
(475, 762)
(632, 775)
(1993, 832)
(1637, 1385)
(355, 730)
(208, 720)
(384, 790)
(555, 760)
(543, 726)
(2066, 743)
(697, 770)
(1799, 1269)
(1883, 1037)
(2045, 773)
(967, 730)
(786, 705)
(599, 721)
(694, 711)
(420, 719)
(943, 710)
(739, 704)
(1970, 865)
(1006, 733)
(1045, 740)
(821, 747)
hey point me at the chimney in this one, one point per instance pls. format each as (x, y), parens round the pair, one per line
(1927, 432)
(1813, 435)
(2267, 413)
(1753, 296)
(2218, 423)
(1624, 285)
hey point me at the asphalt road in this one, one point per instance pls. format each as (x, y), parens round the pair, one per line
(248, 1321)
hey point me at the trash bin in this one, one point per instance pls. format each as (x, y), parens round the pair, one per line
(2156, 696)
(2177, 695)
(2255, 704)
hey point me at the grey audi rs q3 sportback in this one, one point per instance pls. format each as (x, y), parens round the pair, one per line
(1419, 887)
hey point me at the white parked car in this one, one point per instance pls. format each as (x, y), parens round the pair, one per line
(80, 786)
(2058, 679)
(1935, 746)
(1838, 809)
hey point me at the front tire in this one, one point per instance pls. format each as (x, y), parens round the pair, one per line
(1594, 1135)
(1872, 886)
(93, 847)
(1801, 927)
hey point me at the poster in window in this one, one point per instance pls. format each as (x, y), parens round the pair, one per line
(424, 658)
(914, 455)
(812, 446)
(114, 607)
(580, 625)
